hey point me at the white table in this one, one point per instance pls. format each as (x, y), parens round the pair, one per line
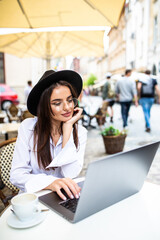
(6, 128)
(135, 218)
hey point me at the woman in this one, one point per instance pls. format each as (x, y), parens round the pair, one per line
(50, 148)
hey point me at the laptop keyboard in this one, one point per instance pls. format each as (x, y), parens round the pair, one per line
(70, 204)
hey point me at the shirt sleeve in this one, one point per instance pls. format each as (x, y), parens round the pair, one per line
(117, 88)
(105, 90)
(21, 171)
(134, 90)
(70, 159)
(155, 82)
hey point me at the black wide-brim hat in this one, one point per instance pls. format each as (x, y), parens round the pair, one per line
(48, 78)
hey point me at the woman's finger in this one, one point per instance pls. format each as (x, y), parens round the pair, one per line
(75, 189)
(78, 189)
(66, 189)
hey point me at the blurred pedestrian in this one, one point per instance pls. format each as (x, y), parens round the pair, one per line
(146, 89)
(27, 90)
(85, 123)
(108, 94)
(126, 92)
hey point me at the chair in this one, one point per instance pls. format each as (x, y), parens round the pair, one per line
(100, 114)
(6, 155)
(26, 114)
(13, 113)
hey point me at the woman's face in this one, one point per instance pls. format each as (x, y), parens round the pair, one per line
(61, 104)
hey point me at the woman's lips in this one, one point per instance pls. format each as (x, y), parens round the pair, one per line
(66, 114)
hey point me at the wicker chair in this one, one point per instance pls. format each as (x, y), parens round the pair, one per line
(6, 154)
(13, 113)
(26, 114)
(101, 114)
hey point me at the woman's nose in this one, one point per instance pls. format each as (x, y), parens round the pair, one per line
(65, 106)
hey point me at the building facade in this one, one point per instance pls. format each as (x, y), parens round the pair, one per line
(135, 43)
(117, 47)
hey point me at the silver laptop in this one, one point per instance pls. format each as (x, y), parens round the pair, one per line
(108, 181)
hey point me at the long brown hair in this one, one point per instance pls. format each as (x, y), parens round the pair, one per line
(42, 130)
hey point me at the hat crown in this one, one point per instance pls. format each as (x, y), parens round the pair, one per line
(47, 74)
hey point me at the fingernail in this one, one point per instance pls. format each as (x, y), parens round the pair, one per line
(72, 196)
(77, 196)
(79, 193)
(64, 198)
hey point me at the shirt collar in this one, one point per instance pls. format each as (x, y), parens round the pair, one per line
(59, 141)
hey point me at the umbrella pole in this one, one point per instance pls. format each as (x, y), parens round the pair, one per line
(48, 64)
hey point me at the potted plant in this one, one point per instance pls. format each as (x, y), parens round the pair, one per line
(113, 139)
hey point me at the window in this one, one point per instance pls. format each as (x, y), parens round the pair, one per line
(159, 67)
(155, 33)
(154, 70)
(132, 64)
(2, 80)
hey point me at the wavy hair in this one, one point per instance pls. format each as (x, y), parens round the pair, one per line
(43, 127)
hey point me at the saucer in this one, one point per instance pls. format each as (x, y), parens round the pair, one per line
(14, 222)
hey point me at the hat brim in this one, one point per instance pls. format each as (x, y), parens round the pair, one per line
(67, 75)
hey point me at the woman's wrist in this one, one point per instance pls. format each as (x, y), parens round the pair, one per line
(67, 130)
(67, 126)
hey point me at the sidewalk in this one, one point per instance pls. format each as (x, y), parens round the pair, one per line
(136, 137)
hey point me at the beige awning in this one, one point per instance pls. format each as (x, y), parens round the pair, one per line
(54, 13)
(53, 44)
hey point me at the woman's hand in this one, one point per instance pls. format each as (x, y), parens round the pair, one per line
(68, 125)
(76, 116)
(70, 187)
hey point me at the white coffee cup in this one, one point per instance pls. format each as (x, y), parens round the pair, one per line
(25, 206)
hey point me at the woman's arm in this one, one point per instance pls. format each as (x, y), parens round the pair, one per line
(22, 173)
(68, 126)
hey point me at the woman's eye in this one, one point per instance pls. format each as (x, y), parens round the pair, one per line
(57, 104)
(70, 100)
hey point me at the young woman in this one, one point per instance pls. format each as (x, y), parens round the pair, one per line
(50, 148)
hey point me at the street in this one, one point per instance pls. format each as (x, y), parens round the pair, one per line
(136, 136)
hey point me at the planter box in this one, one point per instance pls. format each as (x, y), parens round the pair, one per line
(114, 144)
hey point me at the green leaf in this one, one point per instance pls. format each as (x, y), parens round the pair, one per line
(111, 131)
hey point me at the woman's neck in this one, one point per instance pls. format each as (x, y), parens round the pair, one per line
(56, 128)
(55, 134)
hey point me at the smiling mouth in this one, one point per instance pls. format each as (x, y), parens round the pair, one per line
(66, 114)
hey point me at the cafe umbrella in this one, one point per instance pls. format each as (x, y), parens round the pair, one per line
(58, 13)
(48, 45)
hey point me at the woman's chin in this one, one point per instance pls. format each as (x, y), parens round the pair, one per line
(67, 118)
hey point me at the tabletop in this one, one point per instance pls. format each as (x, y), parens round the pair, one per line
(9, 127)
(136, 217)
(2, 114)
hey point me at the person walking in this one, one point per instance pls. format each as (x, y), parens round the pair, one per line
(108, 94)
(27, 90)
(126, 91)
(146, 89)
